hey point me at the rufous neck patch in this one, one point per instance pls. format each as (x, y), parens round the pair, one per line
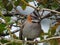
(29, 18)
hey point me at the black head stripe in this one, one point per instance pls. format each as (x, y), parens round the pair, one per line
(33, 17)
(35, 13)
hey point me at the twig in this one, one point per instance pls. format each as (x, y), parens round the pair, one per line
(13, 4)
(8, 33)
(51, 10)
(58, 1)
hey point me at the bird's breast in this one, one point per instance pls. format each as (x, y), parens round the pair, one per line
(31, 30)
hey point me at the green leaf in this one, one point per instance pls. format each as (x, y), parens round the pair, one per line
(8, 19)
(1, 4)
(51, 4)
(23, 6)
(9, 7)
(17, 2)
(41, 37)
(2, 27)
(51, 32)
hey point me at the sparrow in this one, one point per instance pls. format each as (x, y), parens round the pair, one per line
(32, 27)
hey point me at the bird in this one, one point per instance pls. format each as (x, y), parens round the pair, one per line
(32, 27)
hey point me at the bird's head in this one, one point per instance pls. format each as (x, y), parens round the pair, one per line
(32, 19)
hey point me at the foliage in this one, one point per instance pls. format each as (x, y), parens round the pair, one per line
(2, 27)
(8, 19)
(3, 41)
(10, 4)
(13, 43)
(52, 4)
(7, 5)
(52, 30)
(54, 42)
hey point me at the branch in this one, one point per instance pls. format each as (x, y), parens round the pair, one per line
(45, 40)
(8, 15)
(51, 10)
(7, 43)
(13, 4)
(29, 4)
(39, 8)
(11, 14)
(48, 15)
(6, 23)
